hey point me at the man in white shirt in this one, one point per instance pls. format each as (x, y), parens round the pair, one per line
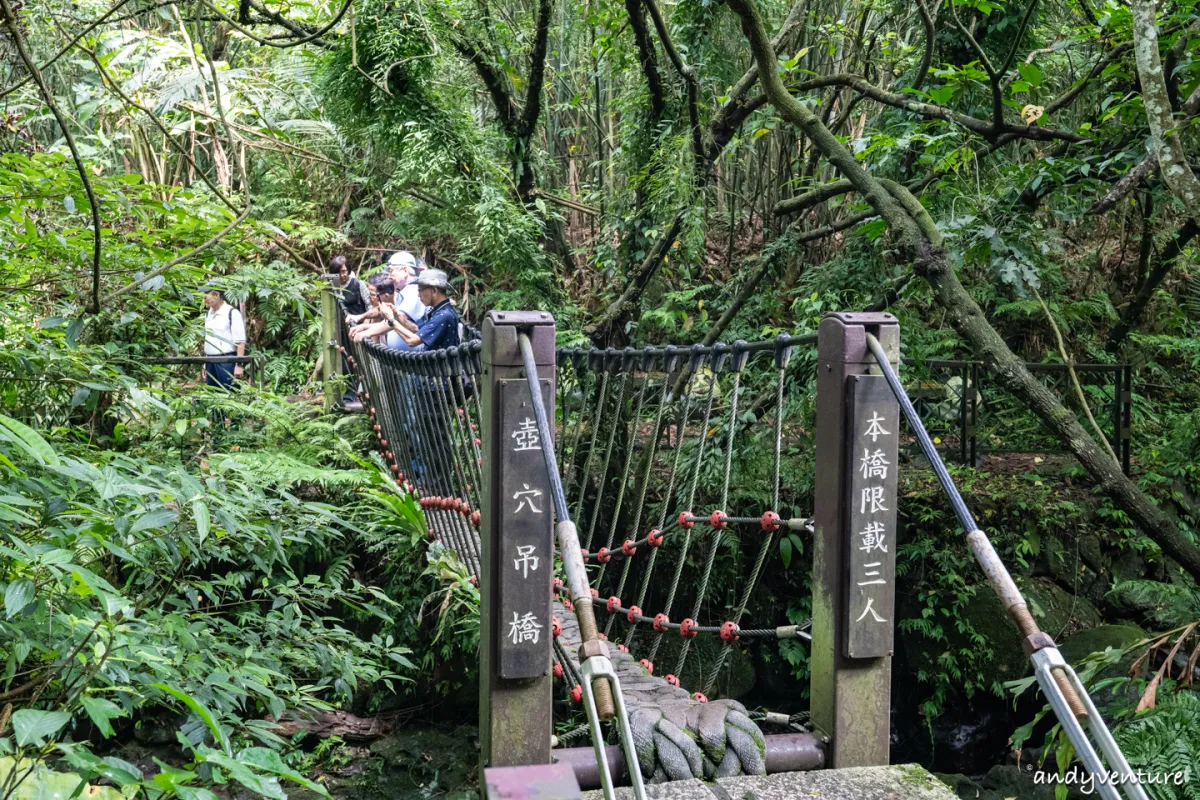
(406, 310)
(224, 335)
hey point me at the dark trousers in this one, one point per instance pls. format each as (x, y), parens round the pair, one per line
(219, 373)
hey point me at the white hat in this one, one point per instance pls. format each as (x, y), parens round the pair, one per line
(403, 258)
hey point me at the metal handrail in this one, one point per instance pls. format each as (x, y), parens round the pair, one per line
(1062, 687)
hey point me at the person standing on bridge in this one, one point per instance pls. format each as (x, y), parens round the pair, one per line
(440, 327)
(353, 292)
(224, 335)
(385, 290)
(407, 311)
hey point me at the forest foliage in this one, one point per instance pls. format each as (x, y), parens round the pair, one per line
(1012, 179)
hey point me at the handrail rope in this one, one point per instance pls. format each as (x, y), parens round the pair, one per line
(572, 560)
(1067, 695)
(608, 451)
(728, 630)
(739, 362)
(687, 541)
(995, 570)
(718, 349)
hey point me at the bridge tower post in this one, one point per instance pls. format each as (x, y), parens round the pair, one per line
(331, 361)
(854, 557)
(516, 534)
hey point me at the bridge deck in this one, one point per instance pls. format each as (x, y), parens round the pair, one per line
(897, 782)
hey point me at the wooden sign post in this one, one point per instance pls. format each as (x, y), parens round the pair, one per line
(854, 560)
(516, 533)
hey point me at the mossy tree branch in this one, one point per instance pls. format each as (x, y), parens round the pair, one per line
(918, 240)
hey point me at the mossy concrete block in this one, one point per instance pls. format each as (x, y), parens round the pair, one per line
(1054, 608)
(1079, 645)
(676, 790)
(898, 782)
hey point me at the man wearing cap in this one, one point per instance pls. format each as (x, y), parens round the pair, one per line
(224, 335)
(407, 311)
(440, 327)
(405, 269)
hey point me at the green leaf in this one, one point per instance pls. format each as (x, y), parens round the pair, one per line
(159, 518)
(785, 552)
(17, 596)
(200, 512)
(32, 726)
(46, 784)
(1031, 74)
(114, 769)
(102, 712)
(200, 711)
(270, 761)
(90, 583)
(73, 331)
(941, 95)
(28, 440)
(268, 786)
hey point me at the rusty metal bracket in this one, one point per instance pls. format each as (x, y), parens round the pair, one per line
(600, 667)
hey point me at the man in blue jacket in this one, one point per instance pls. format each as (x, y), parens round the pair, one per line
(439, 329)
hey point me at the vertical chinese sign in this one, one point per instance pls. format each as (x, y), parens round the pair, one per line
(525, 555)
(874, 418)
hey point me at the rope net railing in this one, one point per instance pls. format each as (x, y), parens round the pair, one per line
(646, 445)
(649, 452)
(425, 412)
(674, 473)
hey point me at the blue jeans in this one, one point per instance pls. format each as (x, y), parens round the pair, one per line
(220, 374)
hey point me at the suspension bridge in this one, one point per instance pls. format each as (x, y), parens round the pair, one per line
(603, 515)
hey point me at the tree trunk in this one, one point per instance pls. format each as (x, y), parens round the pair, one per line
(1150, 283)
(968, 320)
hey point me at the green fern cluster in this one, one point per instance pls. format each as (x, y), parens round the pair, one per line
(1165, 605)
(1165, 741)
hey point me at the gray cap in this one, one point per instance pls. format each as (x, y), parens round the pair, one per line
(434, 278)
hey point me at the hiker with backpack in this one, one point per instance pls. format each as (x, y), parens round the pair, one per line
(224, 335)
